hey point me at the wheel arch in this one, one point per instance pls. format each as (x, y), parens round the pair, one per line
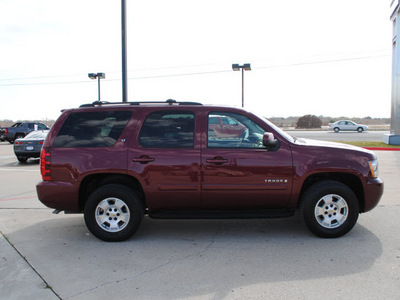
(19, 134)
(350, 180)
(92, 182)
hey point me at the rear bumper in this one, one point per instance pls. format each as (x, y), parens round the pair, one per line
(63, 196)
(373, 193)
(27, 153)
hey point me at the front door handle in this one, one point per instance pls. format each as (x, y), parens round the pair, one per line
(217, 160)
(144, 159)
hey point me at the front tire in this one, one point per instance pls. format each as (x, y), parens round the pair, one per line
(329, 209)
(360, 129)
(113, 213)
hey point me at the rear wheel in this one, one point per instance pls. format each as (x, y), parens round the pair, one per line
(22, 159)
(113, 213)
(329, 209)
(337, 129)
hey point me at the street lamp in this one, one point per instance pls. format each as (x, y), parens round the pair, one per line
(244, 67)
(123, 47)
(98, 76)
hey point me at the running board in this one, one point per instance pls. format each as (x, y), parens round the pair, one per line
(220, 214)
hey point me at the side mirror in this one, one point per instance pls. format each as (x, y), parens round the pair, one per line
(270, 142)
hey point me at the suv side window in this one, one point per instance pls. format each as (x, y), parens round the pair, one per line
(92, 129)
(41, 126)
(237, 132)
(168, 129)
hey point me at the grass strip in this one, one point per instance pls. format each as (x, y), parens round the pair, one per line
(368, 144)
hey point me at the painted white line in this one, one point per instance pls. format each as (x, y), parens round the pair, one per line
(20, 170)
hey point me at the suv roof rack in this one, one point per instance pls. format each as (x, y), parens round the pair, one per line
(169, 101)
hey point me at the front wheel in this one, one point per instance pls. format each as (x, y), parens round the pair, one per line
(329, 209)
(360, 129)
(113, 213)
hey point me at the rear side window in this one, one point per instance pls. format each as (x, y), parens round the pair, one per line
(168, 129)
(92, 129)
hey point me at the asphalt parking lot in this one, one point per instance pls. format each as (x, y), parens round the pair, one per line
(46, 256)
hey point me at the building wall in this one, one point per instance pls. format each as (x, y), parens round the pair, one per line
(395, 115)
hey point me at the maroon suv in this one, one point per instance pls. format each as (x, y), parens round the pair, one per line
(116, 162)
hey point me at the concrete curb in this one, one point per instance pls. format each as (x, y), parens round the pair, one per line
(382, 148)
(18, 279)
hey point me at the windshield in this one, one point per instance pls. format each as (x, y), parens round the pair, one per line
(276, 128)
(37, 134)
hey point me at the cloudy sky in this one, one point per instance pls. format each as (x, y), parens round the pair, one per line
(321, 57)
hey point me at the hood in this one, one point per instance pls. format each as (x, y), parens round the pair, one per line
(331, 145)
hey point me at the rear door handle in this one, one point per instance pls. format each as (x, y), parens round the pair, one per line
(144, 159)
(217, 161)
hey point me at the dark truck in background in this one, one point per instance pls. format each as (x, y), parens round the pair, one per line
(20, 130)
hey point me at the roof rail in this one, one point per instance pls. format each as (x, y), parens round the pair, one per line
(169, 101)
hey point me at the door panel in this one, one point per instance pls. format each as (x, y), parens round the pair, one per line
(166, 158)
(241, 173)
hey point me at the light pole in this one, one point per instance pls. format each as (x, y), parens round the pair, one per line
(244, 67)
(123, 47)
(98, 76)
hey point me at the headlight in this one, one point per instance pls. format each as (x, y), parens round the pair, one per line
(373, 166)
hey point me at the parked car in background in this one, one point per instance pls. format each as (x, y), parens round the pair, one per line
(346, 125)
(225, 127)
(30, 146)
(21, 129)
(2, 136)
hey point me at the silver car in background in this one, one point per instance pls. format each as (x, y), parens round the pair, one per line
(346, 125)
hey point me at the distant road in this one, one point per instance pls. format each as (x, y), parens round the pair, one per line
(370, 136)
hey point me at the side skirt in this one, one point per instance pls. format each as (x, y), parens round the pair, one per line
(220, 214)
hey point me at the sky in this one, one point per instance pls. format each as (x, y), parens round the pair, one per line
(327, 58)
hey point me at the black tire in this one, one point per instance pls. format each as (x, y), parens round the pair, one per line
(22, 159)
(329, 209)
(360, 129)
(336, 129)
(113, 213)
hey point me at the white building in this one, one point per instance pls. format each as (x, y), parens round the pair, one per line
(394, 137)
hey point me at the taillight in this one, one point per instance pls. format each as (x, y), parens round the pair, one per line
(6, 131)
(41, 142)
(45, 165)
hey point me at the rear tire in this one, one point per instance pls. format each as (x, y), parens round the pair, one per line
(329, 209)
(336, 129)
(22, 159)
(113, 213)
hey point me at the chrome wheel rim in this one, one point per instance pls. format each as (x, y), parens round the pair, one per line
(331, 211)
(112, 214)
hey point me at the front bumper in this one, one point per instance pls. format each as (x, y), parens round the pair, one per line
(373, 193)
